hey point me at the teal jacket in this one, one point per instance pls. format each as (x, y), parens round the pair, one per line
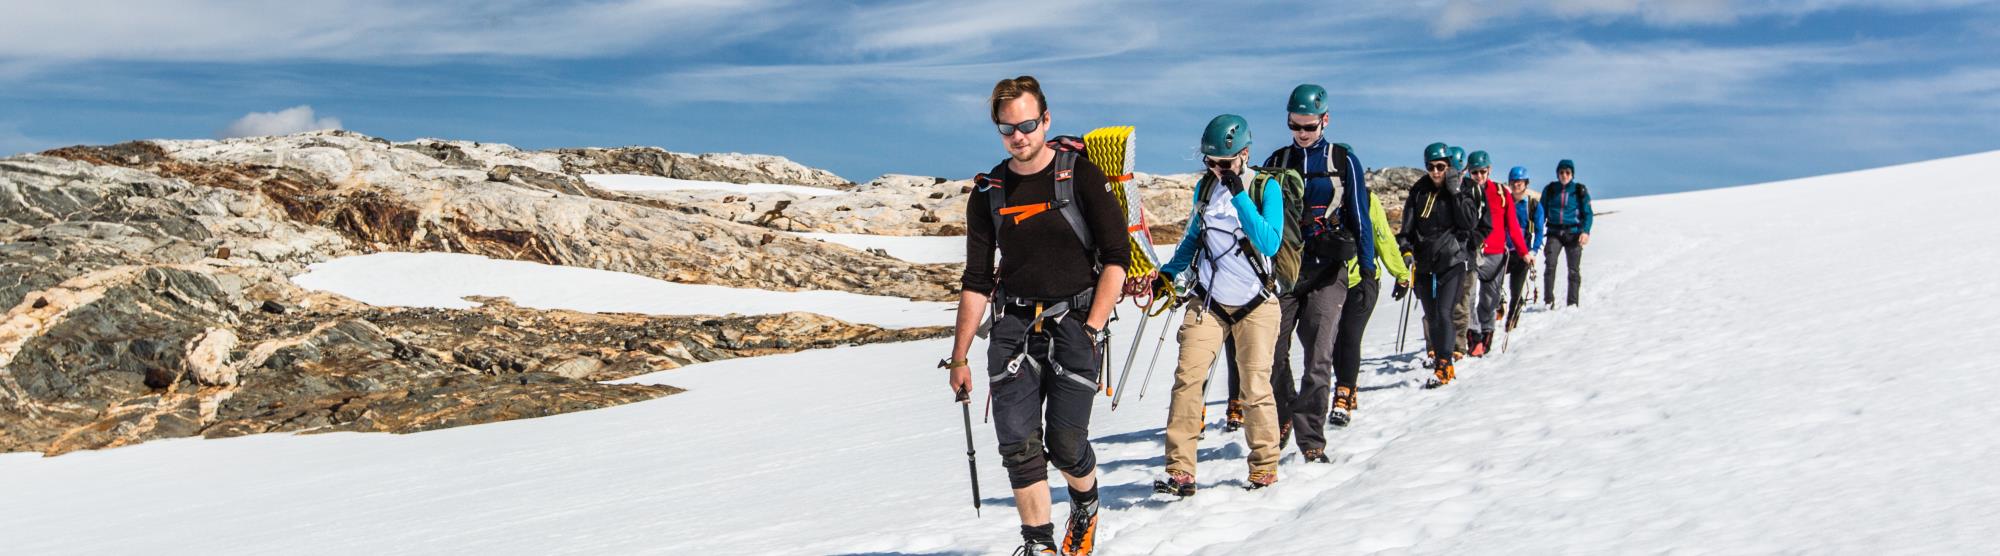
(1264, 226)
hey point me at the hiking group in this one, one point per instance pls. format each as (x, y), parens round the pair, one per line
(1295, 246)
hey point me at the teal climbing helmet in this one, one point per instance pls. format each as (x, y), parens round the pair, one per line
(1480, 160)
(1226, 135)
(1457, 158)
(1566, 165)
(1437, 151)
(1307, 99)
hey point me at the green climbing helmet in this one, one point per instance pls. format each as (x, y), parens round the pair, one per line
(1226, 135)
(1437, 151)
(1307, 99)
(1480, 160)
(1457, 158)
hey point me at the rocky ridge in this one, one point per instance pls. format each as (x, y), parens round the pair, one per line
(150, 296)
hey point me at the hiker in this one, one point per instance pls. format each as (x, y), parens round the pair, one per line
(1062, 237)
(1566, 207)
(1234, 229)
(1528, 215)
(1328, 225)
(1438, 222)
(1501, 243)
(1461, 314)
(1363, 288)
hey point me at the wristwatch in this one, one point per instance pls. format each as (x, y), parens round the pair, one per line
(949, 364)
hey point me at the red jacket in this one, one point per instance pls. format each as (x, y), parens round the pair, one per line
(1506, 235)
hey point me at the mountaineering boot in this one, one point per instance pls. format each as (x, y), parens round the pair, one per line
(1082, 534)
(1442, 375)
(1037, 540)
(1261, 479)
(1235, 416)
(1177, 483)
(1343, 406)
(1479, 340)
(1316, 456)
(1284, 434)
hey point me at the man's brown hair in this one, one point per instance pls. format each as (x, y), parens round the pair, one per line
(1009, 89)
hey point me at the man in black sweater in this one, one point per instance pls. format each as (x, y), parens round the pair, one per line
(1063, 251)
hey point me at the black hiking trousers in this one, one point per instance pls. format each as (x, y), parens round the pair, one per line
(1517, 280)
(1563, 245)
(1439, 292)
(1043, 384)
(1353, 322)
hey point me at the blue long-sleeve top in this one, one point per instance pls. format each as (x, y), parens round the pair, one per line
(1529, 212)
(1262, 225)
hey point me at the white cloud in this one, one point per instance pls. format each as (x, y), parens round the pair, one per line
(283, 122)
(372, 30)
(1457, 16)
(1580, 77)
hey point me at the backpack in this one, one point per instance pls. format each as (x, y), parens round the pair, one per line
(1068, 149)
(1284, 271)
(1334, 151)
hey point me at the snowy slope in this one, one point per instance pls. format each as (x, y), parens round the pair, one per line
(624, 182)
(916, 249)
(1753, 370)
(445, 279)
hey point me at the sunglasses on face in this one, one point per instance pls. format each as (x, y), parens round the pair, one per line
(1219, 163)
(1438, 166)
(1307, 128)
(1024, 127)
(1481, 172)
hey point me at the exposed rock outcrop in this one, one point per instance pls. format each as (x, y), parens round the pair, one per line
(150, 296)
(380, 196)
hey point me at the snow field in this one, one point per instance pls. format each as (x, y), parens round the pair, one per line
(1752, 370)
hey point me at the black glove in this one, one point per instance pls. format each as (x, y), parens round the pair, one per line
(1233, 181)
(1400, 291)
(1162, 283)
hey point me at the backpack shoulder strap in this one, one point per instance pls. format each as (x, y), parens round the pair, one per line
(994, 186)
(1065, 198)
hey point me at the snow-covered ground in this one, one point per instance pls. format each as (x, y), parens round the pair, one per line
(445, 279)
(625, 182)
(1753, 370)
(920, 249)
(916, 249)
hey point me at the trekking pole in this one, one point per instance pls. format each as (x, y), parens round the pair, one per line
(1158, 345)
(1146, 313)
(1403, 325)
(971, 457)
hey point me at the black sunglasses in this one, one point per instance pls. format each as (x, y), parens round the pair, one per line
(1436, 166)
(1307, 127)
(1025, 127)
(1219, 163)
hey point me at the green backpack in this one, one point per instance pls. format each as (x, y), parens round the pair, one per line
(1284, 265)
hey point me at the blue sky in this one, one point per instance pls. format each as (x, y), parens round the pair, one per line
(1647, 96)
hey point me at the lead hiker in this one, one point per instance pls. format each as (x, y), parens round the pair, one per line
(1233, 231)
(1063, 251)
